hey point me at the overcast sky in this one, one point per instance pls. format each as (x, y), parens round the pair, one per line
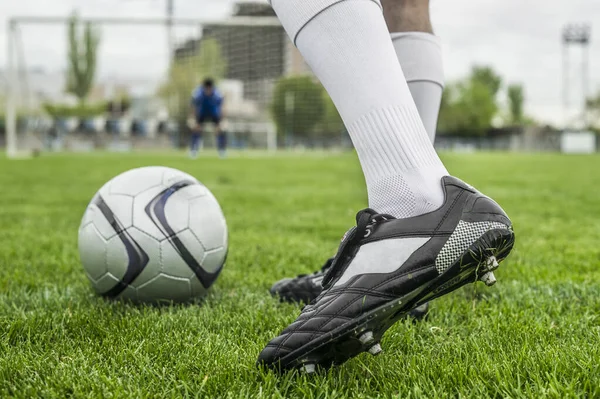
(519, 38)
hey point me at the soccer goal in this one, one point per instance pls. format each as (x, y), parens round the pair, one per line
(122, 84)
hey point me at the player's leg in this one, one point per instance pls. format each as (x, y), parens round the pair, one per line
(197, 138)
(430, 233)
(221, 137)
(372, 96)
(420, 55)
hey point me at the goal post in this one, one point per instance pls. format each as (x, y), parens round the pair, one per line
(11, 81)
(258, 69)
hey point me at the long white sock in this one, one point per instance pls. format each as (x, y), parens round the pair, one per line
(420, 56)
(348, 47)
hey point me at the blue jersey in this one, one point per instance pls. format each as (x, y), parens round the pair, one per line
(207, 105)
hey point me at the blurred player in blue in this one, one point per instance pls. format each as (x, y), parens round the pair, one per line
(207, 106)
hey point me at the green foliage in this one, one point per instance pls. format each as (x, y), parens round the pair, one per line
(535, 334)
(187, 72)
(331, 123)
(298, 106)
(468, 108)
(210, 59)
(82, 58)
(592, 106)
(81, 111)
(470, 105)
(487, 77)
(516, 99)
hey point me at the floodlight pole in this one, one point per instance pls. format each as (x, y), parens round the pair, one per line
(11, 81)
(585, 73)
(576, 34)
(565, 84)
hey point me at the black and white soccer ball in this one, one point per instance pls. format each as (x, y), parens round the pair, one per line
(153, 234)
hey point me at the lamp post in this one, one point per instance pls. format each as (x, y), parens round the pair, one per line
(576, 35)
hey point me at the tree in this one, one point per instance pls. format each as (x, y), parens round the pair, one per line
(592, 107)
(210, 59)
(516, 99)
(186, 73)
(331, 123)
(298, 105)
(82, 58)
(81, 111)
(488, 77)
(469, 106)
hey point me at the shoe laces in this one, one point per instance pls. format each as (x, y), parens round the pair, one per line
(365, 221)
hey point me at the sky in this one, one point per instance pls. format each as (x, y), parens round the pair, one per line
(520, 39)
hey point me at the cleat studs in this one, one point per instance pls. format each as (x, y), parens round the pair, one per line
(366, 338)
(489, 279)
(308, 368)
(375, 350)
(492, 263)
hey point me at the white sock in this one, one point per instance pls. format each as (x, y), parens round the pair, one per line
(420, 55)
(348, 47)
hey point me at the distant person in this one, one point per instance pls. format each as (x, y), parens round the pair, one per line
(207, 106)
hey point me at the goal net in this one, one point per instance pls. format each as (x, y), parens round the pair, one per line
(132, 90)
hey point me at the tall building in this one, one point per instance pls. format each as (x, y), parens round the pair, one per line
(256, 54)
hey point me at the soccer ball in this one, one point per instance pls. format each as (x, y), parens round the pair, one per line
(153, 234)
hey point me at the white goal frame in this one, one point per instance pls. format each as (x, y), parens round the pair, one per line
(12, 85)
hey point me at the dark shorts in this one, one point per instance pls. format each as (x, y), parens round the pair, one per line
(203, 118)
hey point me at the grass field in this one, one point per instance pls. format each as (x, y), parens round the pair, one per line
(535, 334)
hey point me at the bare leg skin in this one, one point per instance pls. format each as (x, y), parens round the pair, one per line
(407, 15)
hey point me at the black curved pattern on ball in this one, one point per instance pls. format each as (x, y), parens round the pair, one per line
(156, 212)
(137, 257)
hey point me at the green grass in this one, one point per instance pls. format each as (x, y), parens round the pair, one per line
(535, 334)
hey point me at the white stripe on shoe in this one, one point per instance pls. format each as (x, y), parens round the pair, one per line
(383, 256)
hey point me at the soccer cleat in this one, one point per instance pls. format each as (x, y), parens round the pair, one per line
(303, 288)
(386, 267)
(306, 287)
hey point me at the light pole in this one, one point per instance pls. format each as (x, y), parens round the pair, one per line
(576, 35)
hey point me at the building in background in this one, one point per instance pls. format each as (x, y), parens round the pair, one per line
(256, 54)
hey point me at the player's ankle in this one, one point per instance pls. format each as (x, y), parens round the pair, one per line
(413, 193)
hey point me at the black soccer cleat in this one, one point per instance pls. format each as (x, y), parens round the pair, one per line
(385, 267)
(306, 287)
(303, 288)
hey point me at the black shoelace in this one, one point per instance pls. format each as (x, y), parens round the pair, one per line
(365, 220)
